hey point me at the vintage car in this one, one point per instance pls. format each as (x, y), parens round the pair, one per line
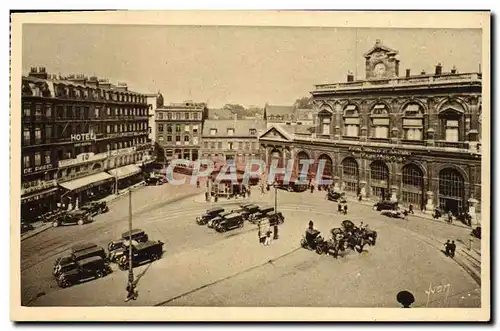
(89, 268)
(393, 213)
(25, 226)
(275, 217)
(230, 222)
(155, 179)
(77, 253)
(73, 217)
(336, 196)
(312, 240)
(142, 252)
(292, 186)
(214, 221)
(249, 211)
(262, 213)
(95, 207)
(116, 255)
(385, 205)
(209, 214)
(136, 234)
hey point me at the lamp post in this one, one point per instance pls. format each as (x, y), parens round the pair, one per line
(275, 210)
(131, 293)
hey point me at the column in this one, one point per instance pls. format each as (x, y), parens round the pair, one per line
(362, 188)
(394, 193)
(473, 204)
(429, 207)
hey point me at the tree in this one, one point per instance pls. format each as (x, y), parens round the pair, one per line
(303, 103)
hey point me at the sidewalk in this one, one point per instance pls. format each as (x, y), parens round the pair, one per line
(182, 273)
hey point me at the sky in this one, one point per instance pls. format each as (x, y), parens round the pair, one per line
(243, 65)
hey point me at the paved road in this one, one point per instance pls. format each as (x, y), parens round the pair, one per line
(401, 259)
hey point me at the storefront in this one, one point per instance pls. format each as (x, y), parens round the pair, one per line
(82, 190)
(126, 176)
(34, 205)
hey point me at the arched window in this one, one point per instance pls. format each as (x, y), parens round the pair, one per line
(413, 185)
(351, 121)
(380, 121)
(303, 156)
(413, 122)
(379, 175)
(451, 190)
(350, 174)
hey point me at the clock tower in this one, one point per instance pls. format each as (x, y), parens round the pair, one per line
(381, 62)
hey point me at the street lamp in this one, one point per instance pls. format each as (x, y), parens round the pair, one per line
(275, 184)
(131, 293)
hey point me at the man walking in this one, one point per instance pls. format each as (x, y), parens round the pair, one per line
(267, 242)
(345, 209)
(453, 247)
(447, 247)
(410, 209)
(339, 210)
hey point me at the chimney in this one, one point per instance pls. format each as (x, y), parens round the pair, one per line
(439, 69)
(454, 70)
(38, 72)
(350, 77)
(408, 73)
(92, 82)
(422, 72)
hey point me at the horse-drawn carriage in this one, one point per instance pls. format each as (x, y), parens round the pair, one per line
(346, 236)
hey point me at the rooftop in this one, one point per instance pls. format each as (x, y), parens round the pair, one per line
(241, 127)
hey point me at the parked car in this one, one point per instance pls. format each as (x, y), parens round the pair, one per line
(73, 217)
(25, 226)
(95, 207)
(136, 234)
(208, 215)
(116, 255)
(336, 196)
(249, 211)
(214, 221)
(293, 186)
(156, 179)
(262, 213)
(385, 205)
(68, 262)
(142, 252)
(229, 222)
(89, 268)
(275, 217)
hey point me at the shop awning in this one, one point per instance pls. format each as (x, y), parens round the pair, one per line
(125, 171)
(86, 181)
(39, 195)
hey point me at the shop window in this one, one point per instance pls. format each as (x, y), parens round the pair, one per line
(38, 159)
(26, 161)
(351, 121)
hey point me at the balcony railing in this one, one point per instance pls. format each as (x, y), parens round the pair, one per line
(452, 144)
(403, 81)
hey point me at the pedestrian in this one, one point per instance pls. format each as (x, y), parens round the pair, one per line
(410, 208)
(216, 197)
(345, 209)
(197, 183)
(339, 210)
(262, 189)
(206, 196)
(268, 187)
(452, 248)
(360, 197)
(248, 192)
(267, 242)
(275, 236)
(312, 188)
(131, 292)
(450, 217)
(447, 247)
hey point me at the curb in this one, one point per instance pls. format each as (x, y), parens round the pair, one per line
(36, 231)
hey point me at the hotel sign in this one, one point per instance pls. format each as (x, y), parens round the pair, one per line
(83, 139)
(37, 168)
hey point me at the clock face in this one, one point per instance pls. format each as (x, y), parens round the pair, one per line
(379, 69)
